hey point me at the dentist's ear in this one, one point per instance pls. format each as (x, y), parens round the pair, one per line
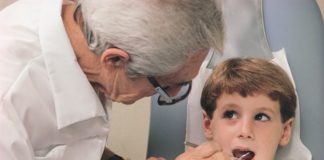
(207, 126)
(287, 132)
(114, 57)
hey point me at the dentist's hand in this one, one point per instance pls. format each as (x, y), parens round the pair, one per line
(206, 151)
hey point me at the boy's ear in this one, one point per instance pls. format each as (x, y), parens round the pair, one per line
(115, 57)
(287, 132)
(207, 126)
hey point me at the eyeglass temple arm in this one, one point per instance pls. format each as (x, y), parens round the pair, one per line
(159, 90)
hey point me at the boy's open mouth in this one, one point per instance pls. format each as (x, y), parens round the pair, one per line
(237, 153)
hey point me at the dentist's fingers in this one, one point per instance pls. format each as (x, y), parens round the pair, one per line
(208, 148)
(220, 156)
(204, 151)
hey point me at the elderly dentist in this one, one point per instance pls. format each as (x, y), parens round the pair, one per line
(57, 57)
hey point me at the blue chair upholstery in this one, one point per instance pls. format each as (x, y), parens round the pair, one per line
(297, 26)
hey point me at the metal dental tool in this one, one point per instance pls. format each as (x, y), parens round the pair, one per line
(190, 144)
(243, 156)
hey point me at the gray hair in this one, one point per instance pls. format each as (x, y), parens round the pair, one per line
(158, 35)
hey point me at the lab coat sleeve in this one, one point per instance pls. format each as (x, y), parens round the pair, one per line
(14, 143)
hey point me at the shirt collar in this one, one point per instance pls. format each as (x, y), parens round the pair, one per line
(75, 99)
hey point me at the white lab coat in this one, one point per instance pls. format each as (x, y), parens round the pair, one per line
(48, 109)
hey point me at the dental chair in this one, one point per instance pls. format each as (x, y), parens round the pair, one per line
(257, 28)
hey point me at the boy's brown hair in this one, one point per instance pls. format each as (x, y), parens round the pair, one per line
(248, 76)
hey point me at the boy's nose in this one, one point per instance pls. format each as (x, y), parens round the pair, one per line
(246, 130)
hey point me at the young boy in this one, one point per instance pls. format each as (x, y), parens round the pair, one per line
(249, 107)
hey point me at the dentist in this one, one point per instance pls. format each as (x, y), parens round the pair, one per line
(61, 65)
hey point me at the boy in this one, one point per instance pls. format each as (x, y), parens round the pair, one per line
(249, 107)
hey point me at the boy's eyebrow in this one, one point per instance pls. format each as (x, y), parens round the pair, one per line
(230, 105)
(235, 106)
(267, 109)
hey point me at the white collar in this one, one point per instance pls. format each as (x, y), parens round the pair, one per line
(74, 97)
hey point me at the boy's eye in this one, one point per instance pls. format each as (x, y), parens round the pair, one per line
(230, 114)
(262, 117)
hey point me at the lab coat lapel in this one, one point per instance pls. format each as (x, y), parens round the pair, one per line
(74, 97)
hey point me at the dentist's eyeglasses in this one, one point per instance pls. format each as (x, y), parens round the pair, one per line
(164, 98)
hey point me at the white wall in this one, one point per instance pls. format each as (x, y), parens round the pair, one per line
(129, 130)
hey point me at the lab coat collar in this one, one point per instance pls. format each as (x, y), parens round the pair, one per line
(74, 98)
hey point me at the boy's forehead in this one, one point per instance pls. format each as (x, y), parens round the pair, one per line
(260, 102)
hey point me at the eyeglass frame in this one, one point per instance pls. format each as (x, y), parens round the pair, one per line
(163, 93)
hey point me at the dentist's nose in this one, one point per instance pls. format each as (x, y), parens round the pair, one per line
(246, 129)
